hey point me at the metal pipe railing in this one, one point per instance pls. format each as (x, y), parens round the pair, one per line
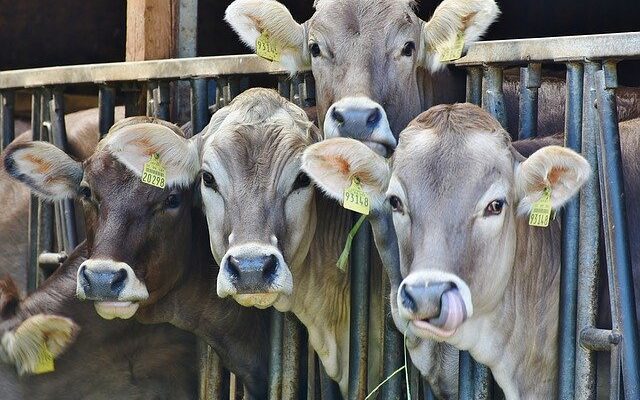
(530, 80)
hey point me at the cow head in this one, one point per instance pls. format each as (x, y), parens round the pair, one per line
(134, 230)
(259, 205)
(364, 55)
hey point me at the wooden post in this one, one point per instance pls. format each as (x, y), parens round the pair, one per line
(150, 29)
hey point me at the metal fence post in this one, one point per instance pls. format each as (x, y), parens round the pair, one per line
(34, 202)
(199, 105)
(610, 163)
(530, 79)
(570, 233)
(275, 362)
(589, 241)
(493, 98)
(7, 104)
(106, 108)
(474, 85)
(292, 357)
(161, 98)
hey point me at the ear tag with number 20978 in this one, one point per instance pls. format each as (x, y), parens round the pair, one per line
(541, 210)
(154, 173)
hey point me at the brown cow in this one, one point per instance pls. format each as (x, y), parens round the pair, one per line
(147, 246)
(119, 359)
(475, 274)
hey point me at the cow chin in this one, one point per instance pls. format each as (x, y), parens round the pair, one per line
(433, 304)
(261, 301)
(115, 309)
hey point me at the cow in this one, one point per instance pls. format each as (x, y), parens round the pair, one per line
(108, 359)
(147, 247)
(83, 136)
(474, 273)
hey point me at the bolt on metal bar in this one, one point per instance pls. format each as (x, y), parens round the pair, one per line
(599, 339)
(7, 124)
(34, 203)
(359, 315)
(275, 360)
(530, 80)
(106, 108)
(589, 239)
(570, 231)
(199, 105)
(618, 247)
(59, 136)
(474, 85)
(493, 98)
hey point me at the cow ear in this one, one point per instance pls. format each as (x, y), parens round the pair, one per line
(332, 164)
(452, 21)
(38, 337)
(47, 170)
(558, 169)
(135, 145)
(251, 18)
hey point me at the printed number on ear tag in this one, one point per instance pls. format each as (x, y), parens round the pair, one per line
(266, 48)
(45, 361)
(454, 51)
(355, 199)
(541, 210)
(154, 173)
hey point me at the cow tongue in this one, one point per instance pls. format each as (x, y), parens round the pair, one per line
(452, 311)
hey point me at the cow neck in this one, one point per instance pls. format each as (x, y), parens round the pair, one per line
(524, 354)
(239, 335)
(321, 296)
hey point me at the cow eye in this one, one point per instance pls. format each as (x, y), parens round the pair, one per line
(408, 49)
(172, 201)
(314, 49)
(209, 181)
(302, 181)
(85, 192)
(494, 208)
(396, 204)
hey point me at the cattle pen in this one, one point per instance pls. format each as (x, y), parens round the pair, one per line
(591, 127)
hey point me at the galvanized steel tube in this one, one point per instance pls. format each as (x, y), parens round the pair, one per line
(588, 258)
(570, 233)
(292, 357)
(474, 85)
(161, 101)
(7, 124)
(199, 105)
(530, 79)
(34, 203)
(611, 164)
(493, 98)
(106, 108)
(275, 360)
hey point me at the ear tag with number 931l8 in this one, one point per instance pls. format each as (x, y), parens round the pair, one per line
(154, 173)
(266, 48)
(541, 210)
(355, 199)
(452, 51)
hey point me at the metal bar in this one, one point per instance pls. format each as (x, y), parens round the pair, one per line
(214, 380)
(465, 376)
(611, 165)
(599, 339)
(482, 382)
(199, 105)
(559, 49)
(106, 108)
(7, 124)
(133, 101)
(161, 96)
(328, 387)
(530, 80)
(570, 231)
(414, 382)
(589, 239)
(359, 316)
(150, 102)
(275, 361)
(493, 99)
(34, 203)
(474, 85)
(393, 347)
(59, 136)
(291, 359)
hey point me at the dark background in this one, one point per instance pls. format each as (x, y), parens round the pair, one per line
(64, 32)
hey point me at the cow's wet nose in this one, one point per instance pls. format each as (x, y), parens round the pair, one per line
(252, 274)
(102, 284)
(424, 301)
(356, 122)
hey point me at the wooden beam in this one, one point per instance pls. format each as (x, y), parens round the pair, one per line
(150, 29)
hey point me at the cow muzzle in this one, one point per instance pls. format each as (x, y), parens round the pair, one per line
(113, 286)
(362, 119)
(434, 303)
(254, 274)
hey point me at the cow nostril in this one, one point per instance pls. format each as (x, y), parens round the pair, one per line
(374, 117)
(117, 282)
(85, 277)
(233, 267)
(270, 267)
(337, 116)
(407, 300)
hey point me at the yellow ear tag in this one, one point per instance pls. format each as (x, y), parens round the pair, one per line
(45, 361)
(355, 199)
(541, 210)
(454, 51)
(266, 48)
(154, 173)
